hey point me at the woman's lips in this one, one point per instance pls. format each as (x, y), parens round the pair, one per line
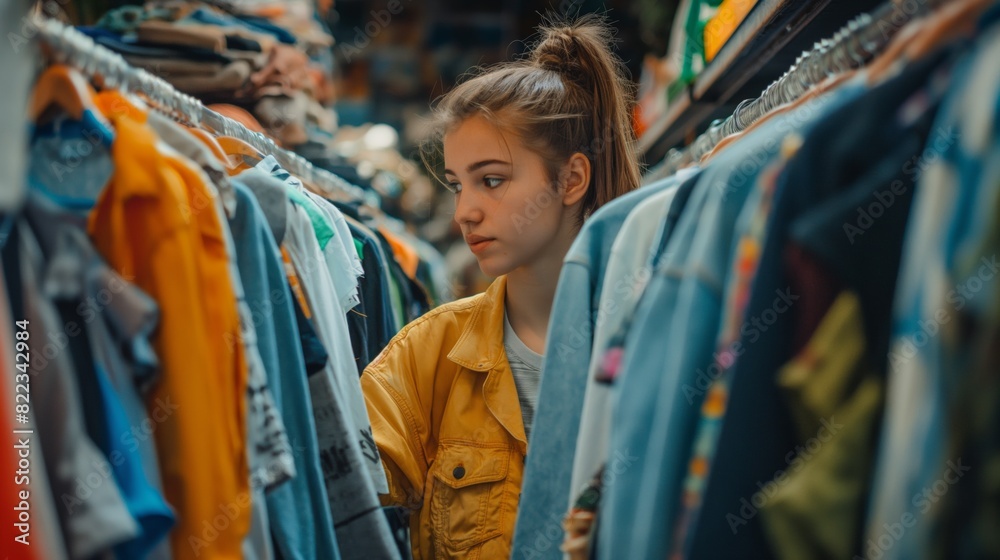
(479, 244)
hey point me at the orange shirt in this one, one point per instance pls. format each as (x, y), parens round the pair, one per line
(150, 230)
(406, 256)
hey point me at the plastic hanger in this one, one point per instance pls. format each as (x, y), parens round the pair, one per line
(239, 154)
(63, 87)
(210, 142)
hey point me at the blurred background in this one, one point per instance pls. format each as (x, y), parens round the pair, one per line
(348, 84)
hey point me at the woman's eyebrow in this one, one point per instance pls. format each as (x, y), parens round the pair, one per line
(478, 165)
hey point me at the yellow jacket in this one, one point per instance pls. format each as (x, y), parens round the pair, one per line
(447, 421)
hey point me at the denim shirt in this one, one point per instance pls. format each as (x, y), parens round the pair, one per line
(670, 345)
(546, 488)
(298, 510)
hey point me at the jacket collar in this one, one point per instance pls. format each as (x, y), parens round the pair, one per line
(480, 347)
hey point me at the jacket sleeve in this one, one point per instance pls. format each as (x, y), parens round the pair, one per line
(400, 422)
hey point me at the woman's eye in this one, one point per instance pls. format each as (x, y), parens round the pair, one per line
(454, 187)
(492, 182)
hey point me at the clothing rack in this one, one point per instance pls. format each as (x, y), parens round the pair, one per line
(75, 49)
(852, 47)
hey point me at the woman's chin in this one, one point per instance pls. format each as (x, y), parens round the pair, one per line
(492, 267)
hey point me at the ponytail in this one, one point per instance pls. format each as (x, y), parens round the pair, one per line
(569, 95)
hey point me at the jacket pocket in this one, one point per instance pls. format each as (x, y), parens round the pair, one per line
(467, 501)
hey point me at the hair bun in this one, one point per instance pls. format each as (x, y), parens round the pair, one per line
(557, 51)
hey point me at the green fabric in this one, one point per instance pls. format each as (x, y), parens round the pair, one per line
(396, 296)
(359, 247)
(322, 227)
(815, 507)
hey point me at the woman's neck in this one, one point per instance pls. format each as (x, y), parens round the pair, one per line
(530, 292)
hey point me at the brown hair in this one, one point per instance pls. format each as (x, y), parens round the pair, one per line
(569, 95)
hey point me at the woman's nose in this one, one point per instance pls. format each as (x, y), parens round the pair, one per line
(468, 208)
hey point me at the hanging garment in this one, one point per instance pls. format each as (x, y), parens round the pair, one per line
(346, 451)
(750, 229)
(42, 539)
(298, 510)
(331, 303)
(834, 397)
(627, 272)
(380, 321)
(109, 315)
(349, 261)
(931, 416)
(607, 360)
(140, 227)
(655, 385)
(546, 489)
(269, 456)
(92, 513)
(832, 176)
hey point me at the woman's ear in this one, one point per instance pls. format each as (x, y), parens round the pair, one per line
(576, 174)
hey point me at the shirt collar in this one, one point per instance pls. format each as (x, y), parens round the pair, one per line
(480, 347)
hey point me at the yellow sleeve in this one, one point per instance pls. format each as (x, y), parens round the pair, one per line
(399, 425)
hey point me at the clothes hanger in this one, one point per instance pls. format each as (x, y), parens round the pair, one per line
(804, 82)
(785, 102)
(210, 142)
(65, 88)
(240, 155)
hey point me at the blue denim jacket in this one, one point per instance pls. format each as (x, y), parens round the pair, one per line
(670, 345)
(643, 377)
(545, 490)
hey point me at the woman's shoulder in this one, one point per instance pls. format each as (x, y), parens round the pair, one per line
(438, 328)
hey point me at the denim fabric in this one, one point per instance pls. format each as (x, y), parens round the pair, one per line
(833, 174)
(545, 490)
(670, 345)
(627, 272)
(626, 454)
(300, 518)
(950, 249)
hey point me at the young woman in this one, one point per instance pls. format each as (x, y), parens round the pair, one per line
(530, 150)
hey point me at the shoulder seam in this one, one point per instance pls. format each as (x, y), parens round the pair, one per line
(460, 305)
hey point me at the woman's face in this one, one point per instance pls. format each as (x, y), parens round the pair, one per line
(509, 210)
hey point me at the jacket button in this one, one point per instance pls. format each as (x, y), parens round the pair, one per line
(459, 472)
